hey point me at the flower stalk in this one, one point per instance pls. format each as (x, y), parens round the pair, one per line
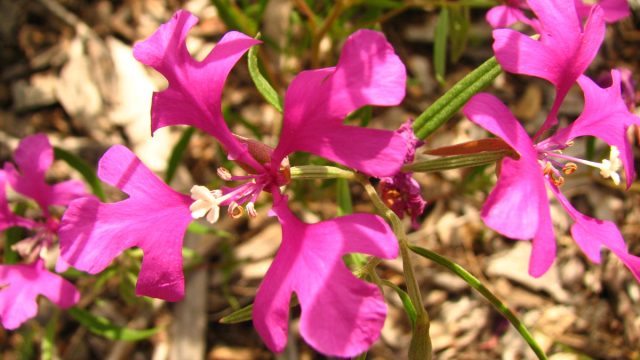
(420, 347)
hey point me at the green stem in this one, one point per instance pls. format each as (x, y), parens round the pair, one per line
(476, 284)
(420, 347)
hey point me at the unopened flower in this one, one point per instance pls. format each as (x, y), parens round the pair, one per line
(20, 284)
(401, 192)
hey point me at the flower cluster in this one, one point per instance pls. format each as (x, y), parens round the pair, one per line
(21, 284)
(518, 207)
(341, 315)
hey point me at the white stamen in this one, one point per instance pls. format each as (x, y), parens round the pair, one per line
(611, 166)
(205, 202)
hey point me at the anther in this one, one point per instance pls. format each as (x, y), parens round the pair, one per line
(235, 210)
(569, 168)
(224, 174)
(559, 181)
(251, 209)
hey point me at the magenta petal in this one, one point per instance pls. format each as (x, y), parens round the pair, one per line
(20, 286)
(368, 73)
(543, 251)
(7, 217)
(562, 54)
(195, 88)
(606, 117)
(341, 315)
(34, 156)
(514, 206)
(614, 10)
(153, 218)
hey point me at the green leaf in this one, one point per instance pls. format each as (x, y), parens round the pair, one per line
(263, 86)
(458, 30)
(440, 44)
(406, 301)
(245, 314)
(178, 152)
(105, 328)
(238, 316)
(86, 170)
(448, 104)
(478, 286)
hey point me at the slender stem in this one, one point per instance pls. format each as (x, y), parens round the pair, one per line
(420, 347)
(477, 284)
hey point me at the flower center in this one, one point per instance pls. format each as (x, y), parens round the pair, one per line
(239, 199)
(555, 164)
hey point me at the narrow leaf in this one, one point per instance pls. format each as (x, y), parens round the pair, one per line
(178, 152)
(449, 103)
(105, 328)
(238, 316)
(440, 44)
(86, 170)
(406, 301)
(263, 86)
(234, 17)
(478, 286)
(458, 30)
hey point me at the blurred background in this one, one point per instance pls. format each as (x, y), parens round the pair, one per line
(67, 70)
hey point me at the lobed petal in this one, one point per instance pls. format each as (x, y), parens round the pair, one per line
(195, 88)
(592, 234)
(562, 54)
(605, 116)
(341, 315)
(368, 73)
(153, 218)
(20, 287)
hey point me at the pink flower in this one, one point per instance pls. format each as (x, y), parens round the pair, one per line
(20, 286)
(518, 207)
(33, 157)
(563, 52)
(154, 217)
